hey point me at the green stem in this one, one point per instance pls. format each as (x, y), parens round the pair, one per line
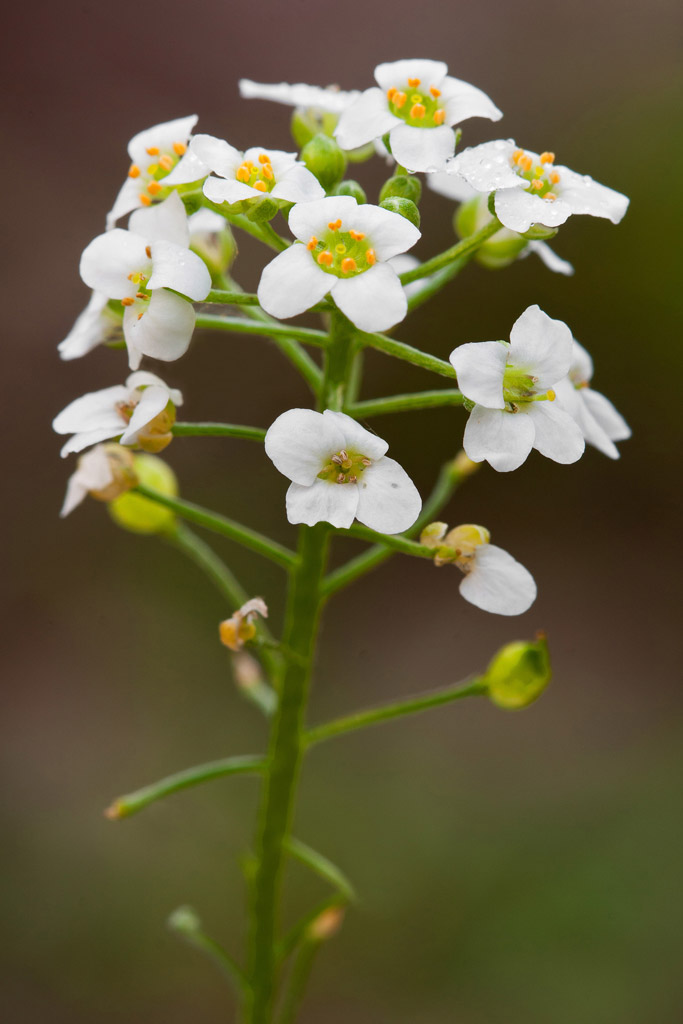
(396, 541)
(270, 236)
(297, 932)
(466, 247)
(437, 282)
(400, 350)
(298, 979)
(131, 803)
(322, 867)
(401, 403)
(184, 923)
(221, 524)
(218, 430)
(412, 706)
(238, 298)
(238, 325)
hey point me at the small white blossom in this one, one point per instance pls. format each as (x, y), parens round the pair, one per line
(240, 628)
(104, 472)
(344, 249)
(96, 325)
(599, 421)
(340, 472)
(416, 102)
(512, 386)
(137, 266)
(329, 98)
(122, 411)
(532, 189)
(254, 174)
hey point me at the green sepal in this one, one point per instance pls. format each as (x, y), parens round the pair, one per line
(352, 188)
(402, 186)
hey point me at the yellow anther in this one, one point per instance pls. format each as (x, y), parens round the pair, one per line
(179, 148)
(348, 265)
(267, 172)
(439, 116)
(537, 184)
(128, 301)
(153, 150)
(435, 92)
(550, 196)
(152, 168)
(417, 111)
(134, 171)
(145, 200)
(243, 174)
(526, 162)
(547, 158)
(334, 225)
(325, 259)
(399, 99)
(554, 177)
(551, 396)
(154, 188)
(311, 244)
(341, 249)
(261, 186)
(391, 93)
(357, 236)
(517, 156)
(263, 158)
(370, 257)
(413, 82)
(148, 252)
(166, 162)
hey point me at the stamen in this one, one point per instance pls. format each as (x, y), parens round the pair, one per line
(341, 479)
(517, 156)
(148, 252)
(551, 396)
(537, 184)
(154, 188)
(348, 265)
(547, 158)
(325, 258)
(179, 148)
(341, 249)
(399, 99)
(366, 462)
(263, 158)
(334, 225)
(153, 150)
(311, 244)
(417, 111)
(357, 236)
(435, 92)
(554, 177)
(140, 315)
(344, 454)
(391, 93)
(145, 200)
(261, 186)
(370, 257)
(439, 116)
(134, 171)
(243, 174)
(335, 458)
(526, 162)
(267, 172)
(550, 196)
(128, 301)
(166, 162)
(413, 82)
(353, 479)
(140, 295)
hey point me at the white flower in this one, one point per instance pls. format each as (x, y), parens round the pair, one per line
(254, 174)
(104, 472)
(137, 266)
(329, 98)
(339, 471)
(452, 186)
(124, 411)
(512, 387)
(345, 251)
(531, 189)
(417, 102)
(159, 159)
(599, 421)
(96, 325)
(493, 579)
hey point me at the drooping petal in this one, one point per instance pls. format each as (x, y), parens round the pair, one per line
(590, 428)
(462, 100)
(292, 283)
(518, 209)
(298, 95)
(357, 438)
(306, 219)
(301, 442)
(165, 221)
(581, 369)
(110, 258)
(422, 149)
(389, 501)
(127, 199)
(164, 330)
(487, 167)
(188, 169)
(229, 190)
(542, 346)
(160, 136)
(549, 257)
(366, 118)
(498, 583)
(557, 435)
(503, 439)
(297, 185)
(93, 473)
(322, 502)
(389, 232)
(175, 267)
(88, 438)
(609, 419)
(450, 184)
(94, 411)
(480, 366)
(583, 195)
(91, 328)
(143, 379)
(153, 400)
(373, 300)
(396, 73)
(218, 155)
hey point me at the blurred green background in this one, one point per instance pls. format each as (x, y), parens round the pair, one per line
(512, 867)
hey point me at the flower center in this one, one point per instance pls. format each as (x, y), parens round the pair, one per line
(519, 388)
(151, 174)
(542, 177)
(344, 467)
(139, 278)
(419, 106)
(259, 176)
(342, 253)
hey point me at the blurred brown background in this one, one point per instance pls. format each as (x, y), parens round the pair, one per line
(512, 867)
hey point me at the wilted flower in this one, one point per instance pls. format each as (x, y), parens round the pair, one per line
(105, 472)
(254, 174)
(239, 629)
(599, 421)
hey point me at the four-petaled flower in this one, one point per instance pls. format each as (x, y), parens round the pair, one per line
(416, 102)
(343, 249)
(105, 472)
(137, 266)
(512, 388)
(340, 472)
(316, 97)
(600, 423)
(140, 412)
(254, 174)
(493, 579)
(530, 188)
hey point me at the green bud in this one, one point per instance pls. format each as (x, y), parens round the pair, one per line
(309, 121)
(405, 207)
(217, 248)
(325, 159)
(403, 186)
(261, 210)
(497, 252)
(519, 673)
(361, 154)
(140, 515)
(349, 187)
(539, 232)
(184, 920)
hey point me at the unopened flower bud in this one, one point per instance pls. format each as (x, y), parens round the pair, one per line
(540, 233)
(323, 157)
(405, 207)
(402, 186)
(123, 475)
(308, 122)
(348, 187)
(326, 924)
(141, 515)
(519, 673)
(157, 434)
(261, 210)
(184, 920)
(497, 252)
(464, 466)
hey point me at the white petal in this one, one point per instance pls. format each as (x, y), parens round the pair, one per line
(143, 379)
(299, 95)
(463, 100)
(162, 136)
(297, 185)
(89, 330)
(356, 438)
(152, 401)
(218, 155)
(229, 190)
(504, 439)
(581, 369)
(181, 269)
(280, 160)
(127, 199)
(164, 331)
(611, 421)
(373, 300)
(110, 258)
(518, 209)
(188, 169)
(549, 258)
(205, 222)
(590, 428)
(422, 149)
(389, 500)
(165, 221)
(558, 436)
(498, 583)
(583, 195)
(306, 219)
(322, 502)
(479, 367)
(300, 442)
(368, 117)
(292, 283)
(92, 474)
(397, 72)
(487, 167)
(390, 233)
(448, 183)
(76, 492)
(542, 346)
(90, 437)
(92, 411)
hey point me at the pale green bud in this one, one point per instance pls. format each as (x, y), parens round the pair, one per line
(539, 232)
(519, 673)
(184, 920)
(405, 207)
(403, 186)
(350, 188)
(141, 515)
(309, 121)
(323, 157)
(261, 210)
(497, 252)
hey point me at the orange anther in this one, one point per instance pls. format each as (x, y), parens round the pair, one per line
(417, 111)
(179, 148)
(537, 184)
(153, 150)
(413, 82)
(311, 244)
(140, 295)
(263, 158)
(517, 156)
(334, 225)
(243, 174)
(357, 236)
(145, 200)
(526, 162)
(148, 252)
(267, 172)
(140, 315)
(134, 171)
(325, 259)
(249, 164)
(261, 186)
(550, 196)
(547, 158)
(554, 177)
(391, 93)
(435, 92)
(439, 116)
(348, 265)
(154, 188)
(166, 162)
(370, 257)
(128, 301)
(399, 99)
